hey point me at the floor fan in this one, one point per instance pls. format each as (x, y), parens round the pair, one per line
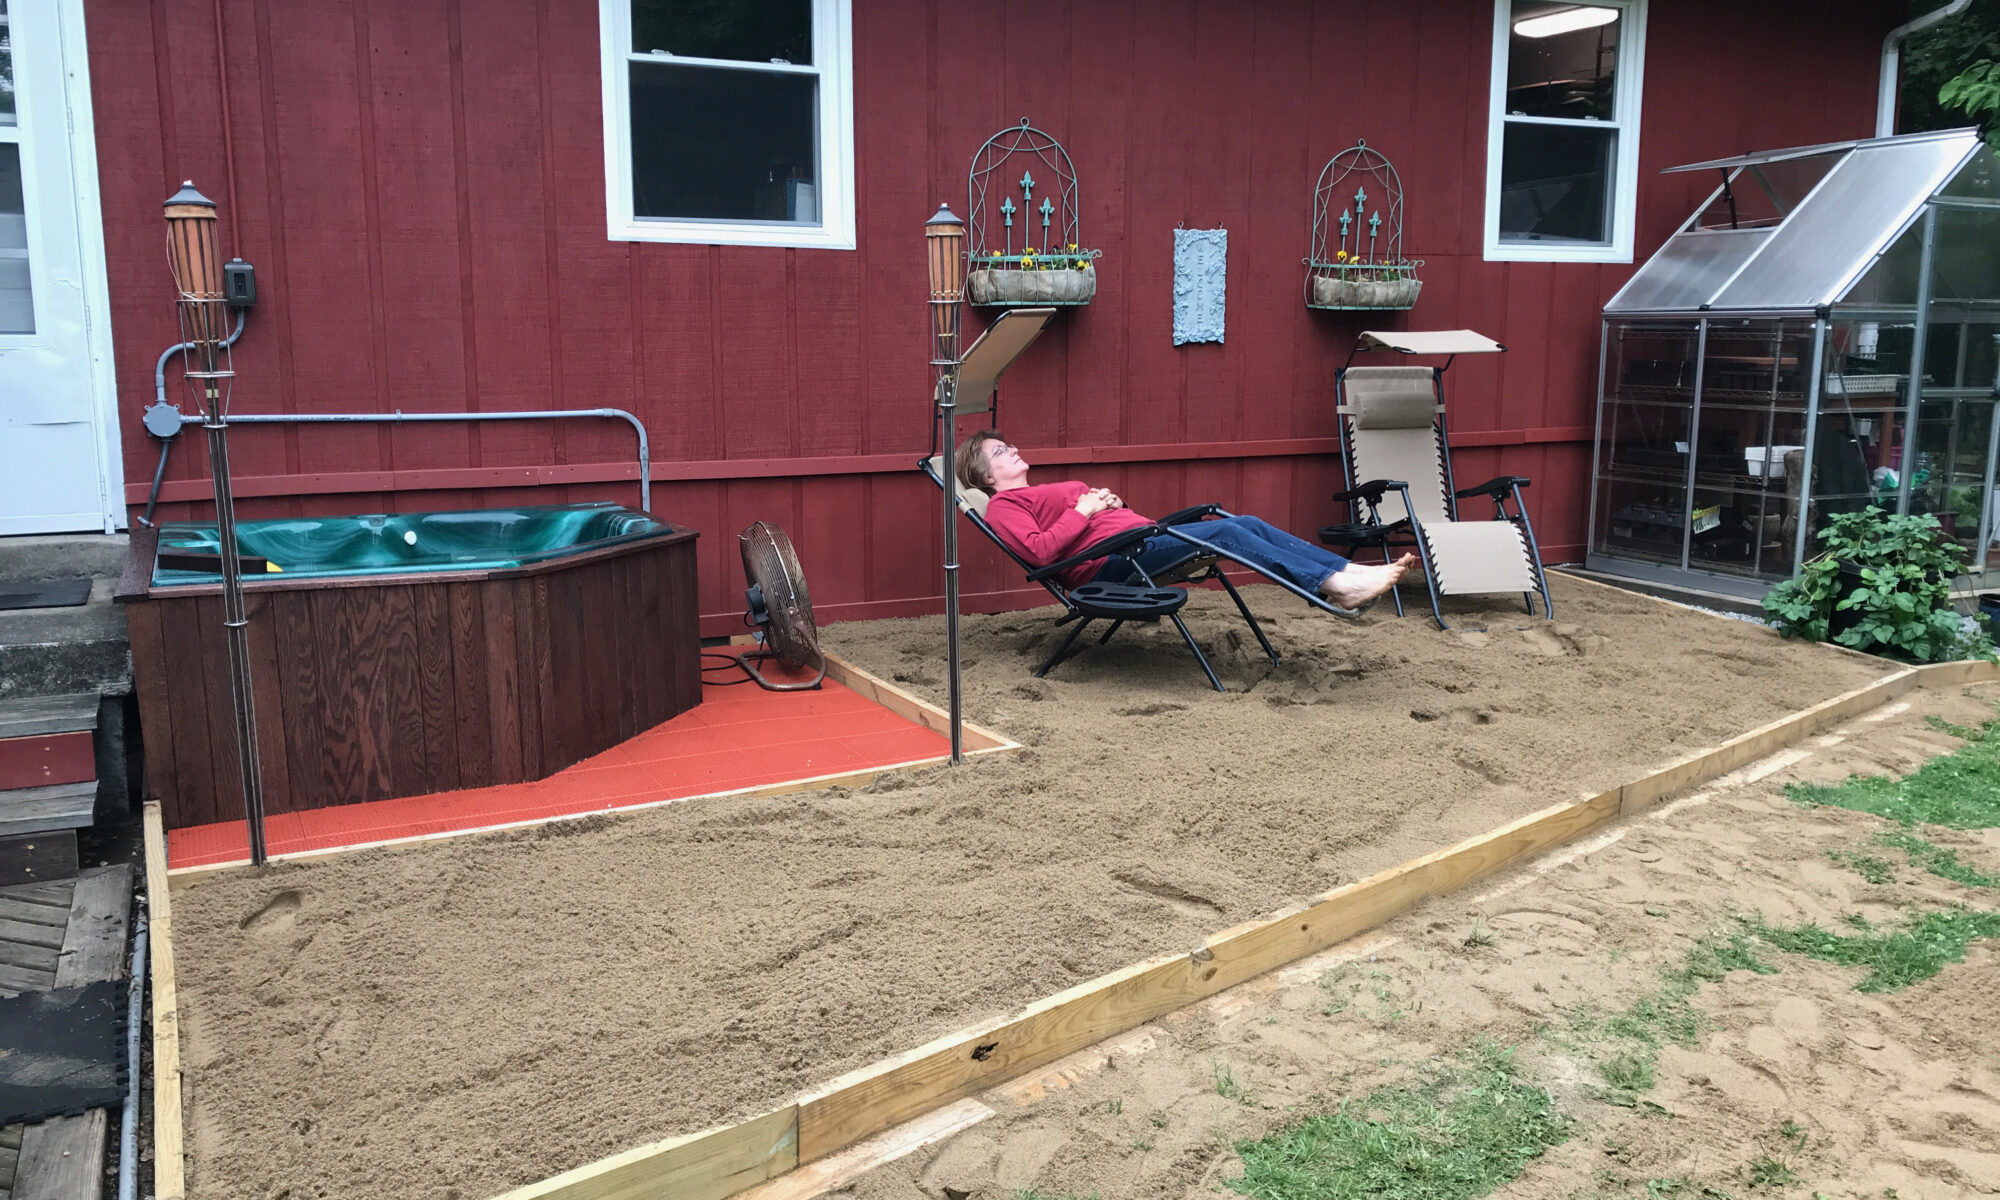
(779, 608)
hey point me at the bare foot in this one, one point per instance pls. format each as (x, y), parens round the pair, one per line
(1358, 583)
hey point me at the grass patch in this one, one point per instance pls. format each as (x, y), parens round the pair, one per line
(1465, 1130)
(1936, 859)
(1665, 1014)
(1959, 790)
(1895, 958)
(1871, 869)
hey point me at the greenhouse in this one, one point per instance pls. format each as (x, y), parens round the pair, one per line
(1834, 305)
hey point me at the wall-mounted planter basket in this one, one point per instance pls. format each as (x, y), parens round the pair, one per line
(1003, 286)
(1356, 259)
(1361, 292)
(1037, 261)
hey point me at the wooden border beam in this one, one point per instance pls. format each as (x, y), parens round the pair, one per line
(169, 1177)
(723, 1161)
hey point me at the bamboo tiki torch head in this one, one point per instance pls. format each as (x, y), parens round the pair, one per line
(197, 269)
(944, 238)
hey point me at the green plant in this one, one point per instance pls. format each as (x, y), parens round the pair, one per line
(1226, 1085)
(1769, 1172)
(1902, 605)
(1480, 935)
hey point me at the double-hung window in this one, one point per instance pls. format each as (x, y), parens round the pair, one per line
(729, 121)
(1562, 152)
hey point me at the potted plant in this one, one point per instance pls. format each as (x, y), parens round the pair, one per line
(1882, 585)
(1032, 277)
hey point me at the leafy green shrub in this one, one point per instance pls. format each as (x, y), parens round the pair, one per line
(1902, 606)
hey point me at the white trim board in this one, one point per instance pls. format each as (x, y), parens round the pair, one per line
(1628, 107)
(833, 48)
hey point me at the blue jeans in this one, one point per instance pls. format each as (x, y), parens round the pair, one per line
(1249, 538)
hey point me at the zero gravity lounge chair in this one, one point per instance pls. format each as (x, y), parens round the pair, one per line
(1159, 594)
(1393, 438)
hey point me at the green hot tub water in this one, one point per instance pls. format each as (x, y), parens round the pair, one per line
(406, 543)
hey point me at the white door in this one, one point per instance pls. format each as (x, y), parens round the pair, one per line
(59, 469)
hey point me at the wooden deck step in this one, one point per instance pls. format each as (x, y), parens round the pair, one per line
(39, 809)
(33, 716)
(34, 923)
(63, 1158)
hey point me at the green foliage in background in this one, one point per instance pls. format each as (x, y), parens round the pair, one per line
(1951, 73)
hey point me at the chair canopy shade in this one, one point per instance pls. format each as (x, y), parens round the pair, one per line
(1440, 341)
(1822, 244)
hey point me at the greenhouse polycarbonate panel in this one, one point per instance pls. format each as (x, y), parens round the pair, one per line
(1967, 263)
(1891, 281)
(1688, 270)
(1978, 179)
(1844, 224)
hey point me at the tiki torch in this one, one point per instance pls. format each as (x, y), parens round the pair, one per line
(206, 364)
(944, 239)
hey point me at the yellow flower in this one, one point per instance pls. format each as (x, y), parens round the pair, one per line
(1072, 246)
(1340, 257)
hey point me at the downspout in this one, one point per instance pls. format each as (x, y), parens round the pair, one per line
(1892, 63)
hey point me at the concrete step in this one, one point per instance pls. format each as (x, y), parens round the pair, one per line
(64, 651)
(62, 555)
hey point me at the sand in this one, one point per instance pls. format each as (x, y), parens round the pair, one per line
(476, 1014)
(1887, 1095)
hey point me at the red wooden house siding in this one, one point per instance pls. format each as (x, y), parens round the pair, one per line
(420, 184)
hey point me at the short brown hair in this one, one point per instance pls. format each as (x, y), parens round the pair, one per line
(974, 469)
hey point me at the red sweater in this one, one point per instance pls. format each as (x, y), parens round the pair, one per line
(1042, 525)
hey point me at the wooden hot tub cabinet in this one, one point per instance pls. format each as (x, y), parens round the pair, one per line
(370, 687)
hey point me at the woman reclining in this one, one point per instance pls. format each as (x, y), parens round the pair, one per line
(1045, 523)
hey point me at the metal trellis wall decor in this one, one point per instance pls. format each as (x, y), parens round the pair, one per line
(1357, 251)
(1026, 253)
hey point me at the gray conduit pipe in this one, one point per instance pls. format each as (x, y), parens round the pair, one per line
(128, 1118)
(399, 417)
(160, 397)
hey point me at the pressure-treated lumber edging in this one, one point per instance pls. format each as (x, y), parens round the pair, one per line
(169, 1179)
(977, 742)
(720, 1162)
(876, 1097)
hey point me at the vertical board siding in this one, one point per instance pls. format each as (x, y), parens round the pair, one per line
(420, 184)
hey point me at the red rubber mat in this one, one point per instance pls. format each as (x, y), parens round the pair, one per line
(737, 738)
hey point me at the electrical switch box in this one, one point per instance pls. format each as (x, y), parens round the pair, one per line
(239, 284)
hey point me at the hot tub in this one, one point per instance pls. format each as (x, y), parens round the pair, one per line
(400, 655)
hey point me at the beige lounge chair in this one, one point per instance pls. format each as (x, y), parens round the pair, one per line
(1394, 442)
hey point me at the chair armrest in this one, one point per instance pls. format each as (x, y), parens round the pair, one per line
(1370, 491)
(1493, 487)
(1104, 549)
(1183, 515)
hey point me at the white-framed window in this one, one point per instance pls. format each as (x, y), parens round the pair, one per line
(729, 122)
(1562, 149)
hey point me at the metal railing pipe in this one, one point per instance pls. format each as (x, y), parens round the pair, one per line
(399, 417)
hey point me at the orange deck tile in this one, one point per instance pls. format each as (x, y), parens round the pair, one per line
(738, 737)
